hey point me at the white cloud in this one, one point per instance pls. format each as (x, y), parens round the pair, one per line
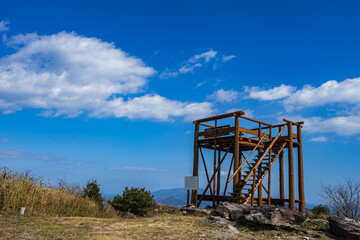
(189, 67)
(195, 62)
(141, 169)
(152, 107)
(332, 91)
(18, 154)
(3, 27)
(342, 126)
(227, 58)
(205, 56)
(319, 139)
(271, 94)
(67, 74)
(167, 74)
(200, 84)
(222, 95)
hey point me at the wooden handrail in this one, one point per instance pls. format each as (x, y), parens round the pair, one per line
(242, 164)
(257, 121)
(264, 154)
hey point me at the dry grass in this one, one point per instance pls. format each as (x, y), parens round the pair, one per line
(22, 190)
(159, 226)
(163, 226)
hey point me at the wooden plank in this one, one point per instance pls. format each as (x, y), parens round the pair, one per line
(218, 131)
(257, 121)
(293, 123)
(238, 113)
(252, 132)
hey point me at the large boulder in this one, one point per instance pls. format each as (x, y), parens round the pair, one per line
(164, 208)
(219, 220)
(224, 209)
(345, 228)
(261, 216)
(198, 211)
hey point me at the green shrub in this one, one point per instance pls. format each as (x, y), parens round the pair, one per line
(135, 200)
(321, 210)
(92, 191)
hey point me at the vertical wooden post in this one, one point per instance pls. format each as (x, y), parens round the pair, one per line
(269, 187)
(218, 176)
(260, 189)
(194, 199)
(215, 166)
(240, 172)
(291, 168)
(236, 152)
(300, 171)
(188, 197)
(253, 189)
(281, 173)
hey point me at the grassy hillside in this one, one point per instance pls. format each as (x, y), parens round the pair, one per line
(19, 190)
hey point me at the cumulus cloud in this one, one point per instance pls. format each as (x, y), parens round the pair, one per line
(319, 139)
(3, 26)
(332, 91)
(343, 125)
(271, 94)
(67, 74)
(222, 95)
(141, 169)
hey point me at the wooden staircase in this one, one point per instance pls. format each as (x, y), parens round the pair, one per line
(253, 174)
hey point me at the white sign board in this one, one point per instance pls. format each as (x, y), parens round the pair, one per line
(192, 183)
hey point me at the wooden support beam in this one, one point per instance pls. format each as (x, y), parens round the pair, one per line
(195, 163)
(205, 168)
(236, 151)
(281, 173)
(215, 172)
(300, 172)
(269, 186)
(238, 113)
(253, 189)
(293, 123)
(257, 121)
(291, 168)
(213, 176)
(226, 184)
(260, 192)
(218, 175)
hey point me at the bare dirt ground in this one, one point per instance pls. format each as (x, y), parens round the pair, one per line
(159, 226)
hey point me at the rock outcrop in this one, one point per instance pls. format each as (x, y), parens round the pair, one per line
(192, 210)
(345, 228)
(128, 215)
(261, 216)
(164, 208)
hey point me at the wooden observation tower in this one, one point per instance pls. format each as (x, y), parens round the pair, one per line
(244, 152)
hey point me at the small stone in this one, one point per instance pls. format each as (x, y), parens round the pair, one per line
(127, 215)
(232, 229)
(219, 220)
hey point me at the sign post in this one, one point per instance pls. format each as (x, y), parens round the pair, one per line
(191, 183)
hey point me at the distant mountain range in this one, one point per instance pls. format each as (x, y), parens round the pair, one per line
(177, 197)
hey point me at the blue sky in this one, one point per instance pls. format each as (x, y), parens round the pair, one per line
(108, 90)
